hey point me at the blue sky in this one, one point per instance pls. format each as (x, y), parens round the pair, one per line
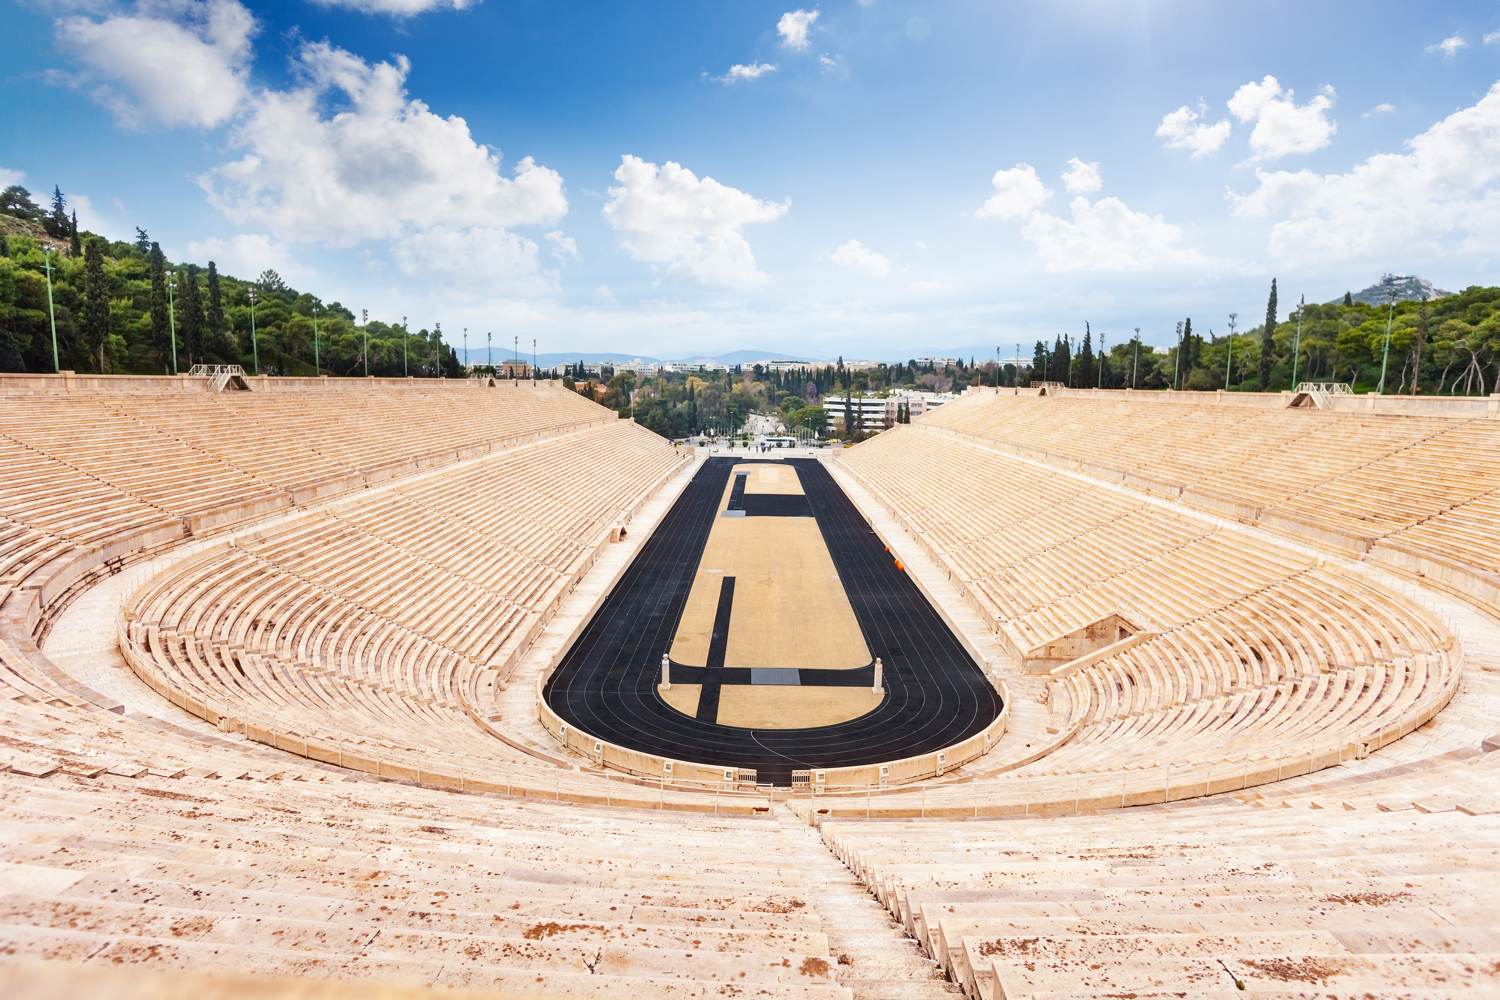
(874, 179)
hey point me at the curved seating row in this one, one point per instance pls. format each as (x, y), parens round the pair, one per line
(1253, 660)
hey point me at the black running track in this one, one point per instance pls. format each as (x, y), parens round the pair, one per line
(606, 684)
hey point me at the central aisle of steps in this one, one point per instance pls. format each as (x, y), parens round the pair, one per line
(876, 959)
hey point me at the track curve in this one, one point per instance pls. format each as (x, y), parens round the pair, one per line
(605, 684)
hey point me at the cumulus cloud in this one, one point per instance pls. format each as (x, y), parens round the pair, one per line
(794, 26)
(397, 8)
(669, 217)
(1189, 128)
(1449, 47)
(178, 63)
(246, 255)
(476, 259)
(1383, 108)
(564, 247)
(1082, 177)
(741, 71)
(1492, 38)
(1106, 235)
(855, 256)
(1018, 193)
(1439, 197)
(377, 164)
(1282, 126)
(9, 177)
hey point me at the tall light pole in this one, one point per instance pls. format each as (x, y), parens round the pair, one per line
(1177, 362)
(51, 315)
(533, 374)
(1297, 341)
(364, 324)
(1390, 316)
(437, 349)
(172, 317)
(317, 360)
(466, 351)
(997, 367)
(405, 369)
(1135, 366)
(254, 341)
(489, 352)
(1229, 354)
(1102, 353)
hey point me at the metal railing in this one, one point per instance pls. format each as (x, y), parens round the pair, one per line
(1326, 388)
(210, 371)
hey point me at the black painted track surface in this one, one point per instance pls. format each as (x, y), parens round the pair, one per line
(606, 684)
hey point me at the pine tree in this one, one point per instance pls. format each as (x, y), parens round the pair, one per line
(1348, 300)
(142, 241)
(217, 334)
(190, 315)
(57, 219)
(95, 301)
(160, 329)
(77, 247)
(1267, 340)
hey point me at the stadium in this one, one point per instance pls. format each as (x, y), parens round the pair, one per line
(1165, 704)
(664, 500)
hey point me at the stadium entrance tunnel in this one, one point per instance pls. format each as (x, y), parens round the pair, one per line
(764, 625)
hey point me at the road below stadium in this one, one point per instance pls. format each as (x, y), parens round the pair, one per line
(606, 684)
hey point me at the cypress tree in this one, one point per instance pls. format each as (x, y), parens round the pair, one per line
(1267, 341)
(160, 329)
(1085, 374)
(1348, 300)
(4, 246)
(73, 229)
(190, 313)
(95, 301)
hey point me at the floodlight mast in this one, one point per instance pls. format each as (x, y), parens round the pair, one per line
(1297, 342)
(51, 314)
(254, 341)
(364, 324)
(1385, 357)
(172, 317)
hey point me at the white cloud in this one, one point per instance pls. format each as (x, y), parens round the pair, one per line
(475, 259)
(1107, 235)
(794, 26)
(740, 71)
(1082, 177)
(855, 256)
(1188, 128)
(1018, 193)
(1282, 126)
(1383, 108)
(378, 164)
(1449, 47)
(668, 216)
(1439, 197)
(246, 255)
(10, 177)
(1492, 38)
(564, 247)
(397, 8)
(833, 65)
(181, 63)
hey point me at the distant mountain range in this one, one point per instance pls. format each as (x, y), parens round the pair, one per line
(1408, 288)
(477, 356)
